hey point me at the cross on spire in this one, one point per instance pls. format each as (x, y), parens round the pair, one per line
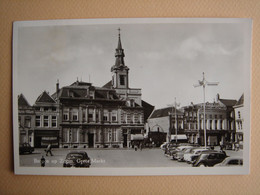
(119, 31)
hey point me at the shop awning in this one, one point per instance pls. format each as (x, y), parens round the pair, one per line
(136, 137)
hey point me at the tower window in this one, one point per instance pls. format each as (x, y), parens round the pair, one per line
(122, 79)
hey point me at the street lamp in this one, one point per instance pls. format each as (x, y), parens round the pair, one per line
(205, 83)
(176, 123)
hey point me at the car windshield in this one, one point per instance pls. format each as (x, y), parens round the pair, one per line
(74, 156)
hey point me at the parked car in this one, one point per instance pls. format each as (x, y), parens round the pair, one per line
(231, 161)
(25, 147)
(209, 158)
(169, 147)
(179, 149)
(180, 154)
(77, 159)
(196, 152)
(163, 146)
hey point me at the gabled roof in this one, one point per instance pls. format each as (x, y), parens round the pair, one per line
(108, 85)
(148, 109)
(80, 90)
(45, 98)
(22, 101)
(164, 112)
(228, 102)
(240, 101)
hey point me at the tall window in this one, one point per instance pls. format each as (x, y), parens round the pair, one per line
(239, 115)
(54, 121)
(38, 121)
(90, 115)
(122, 79)
(66, 114)
(105, 116)
(27, 121)
(114, 116)
(74, 114)
(46, 121)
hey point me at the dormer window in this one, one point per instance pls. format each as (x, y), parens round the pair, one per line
(91, 94)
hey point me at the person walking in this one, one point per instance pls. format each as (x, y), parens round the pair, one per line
(48, 150)
(135, 147)
(42, 161)
(141, 146)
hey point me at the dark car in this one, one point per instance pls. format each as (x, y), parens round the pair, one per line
(77, 159)
(209, 159)
(25, 147)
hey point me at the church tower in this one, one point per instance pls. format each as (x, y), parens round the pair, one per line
(120, 70)
(120, 77)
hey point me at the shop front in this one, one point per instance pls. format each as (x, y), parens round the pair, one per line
(42, 138)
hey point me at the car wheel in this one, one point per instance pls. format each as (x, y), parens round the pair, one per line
(201, 165)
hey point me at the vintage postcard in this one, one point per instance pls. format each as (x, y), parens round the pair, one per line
(158, 96)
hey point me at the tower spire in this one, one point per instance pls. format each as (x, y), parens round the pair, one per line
(119, 69)
(119, 52)
(119, 46)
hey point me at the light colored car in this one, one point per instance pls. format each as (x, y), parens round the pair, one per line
(163, 145)
(231, 161)
(179, 149)
(196, 152)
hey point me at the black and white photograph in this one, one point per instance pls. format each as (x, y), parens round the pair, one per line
(157, 96)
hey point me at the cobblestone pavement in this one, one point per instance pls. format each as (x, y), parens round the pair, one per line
(111, 158)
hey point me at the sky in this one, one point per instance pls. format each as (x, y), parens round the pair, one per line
(165, 59)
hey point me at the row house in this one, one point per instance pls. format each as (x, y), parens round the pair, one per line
(47, 116)
(163, 123)
(26, 120)
(239, 119)
(215, 122)
(189, 121)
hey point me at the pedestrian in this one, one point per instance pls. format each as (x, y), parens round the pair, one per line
(237, 146)
(141, 146)
(48, 150)
(42, 161)
(221, 146)
(135, 147)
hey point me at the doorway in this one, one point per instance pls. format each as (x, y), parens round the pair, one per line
(90, 140)
(125, 140)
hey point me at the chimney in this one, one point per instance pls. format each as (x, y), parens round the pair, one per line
(217, 97)
(57, 87)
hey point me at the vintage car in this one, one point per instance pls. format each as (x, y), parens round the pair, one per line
(189, 157)
(209, 158)
(180, 154)
(231, 161)
(77, 159)
(179, 149)
(25, 147)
